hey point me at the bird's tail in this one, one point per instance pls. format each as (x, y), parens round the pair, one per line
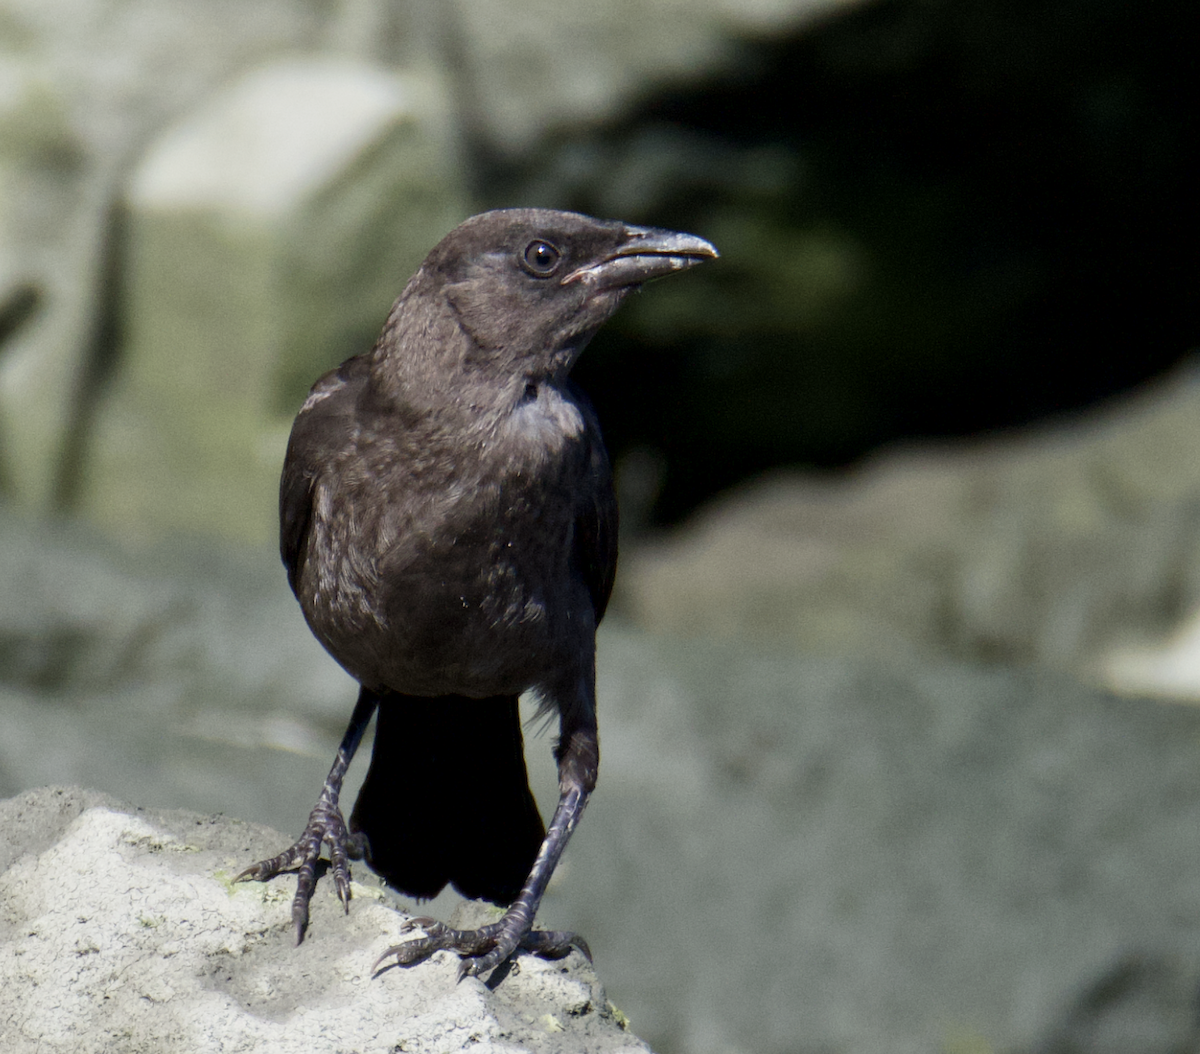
(447, 798)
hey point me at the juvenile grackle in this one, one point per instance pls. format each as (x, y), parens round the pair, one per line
(449, 527)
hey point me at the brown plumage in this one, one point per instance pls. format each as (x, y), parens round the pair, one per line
(449, 527)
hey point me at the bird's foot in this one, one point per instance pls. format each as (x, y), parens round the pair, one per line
(485, 948)
(325, 825)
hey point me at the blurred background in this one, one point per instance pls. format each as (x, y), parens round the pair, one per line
(897, 750)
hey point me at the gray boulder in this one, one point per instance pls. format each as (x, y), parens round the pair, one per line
(794, 853)
(88, 88)
(83, 85)
(785, 852)
(122, 931)
(267, 233)
(1054, 545)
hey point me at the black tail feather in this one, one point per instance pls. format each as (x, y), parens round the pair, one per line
(447, 798)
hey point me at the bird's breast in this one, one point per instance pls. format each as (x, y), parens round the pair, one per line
(455, 581)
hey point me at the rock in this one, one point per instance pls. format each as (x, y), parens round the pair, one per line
(87, 85)
(879, 279)
(1166, 668)
(599, 59)
(122, 930)
(892, 856)
(83, 85)
(147, 672)
(1054, 545)
(1144, 1003)
(785, 850)
(268, 232)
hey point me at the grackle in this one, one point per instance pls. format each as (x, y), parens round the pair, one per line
(449, 527)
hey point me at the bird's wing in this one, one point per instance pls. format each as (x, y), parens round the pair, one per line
(595, 537)
(319, 433)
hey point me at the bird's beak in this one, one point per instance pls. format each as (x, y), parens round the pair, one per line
(648, 253)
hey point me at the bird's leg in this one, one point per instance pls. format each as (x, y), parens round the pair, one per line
(483, 949)
(325, 824)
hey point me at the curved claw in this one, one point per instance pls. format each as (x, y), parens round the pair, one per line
(325, 825)
(288, 860)
(504, 945)
(483, 949)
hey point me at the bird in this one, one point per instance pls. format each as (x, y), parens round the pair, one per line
(448, 524)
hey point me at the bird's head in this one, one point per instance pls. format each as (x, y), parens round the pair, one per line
(530, 287)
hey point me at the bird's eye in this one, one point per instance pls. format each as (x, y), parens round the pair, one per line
(541, 257)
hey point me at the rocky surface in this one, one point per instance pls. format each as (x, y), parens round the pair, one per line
(121, 930)
(785, 852)
(265, 234)
(879, 278)
(86, 83)
(1059, 545)
(791, 852)
(857, 792)
(90, 89)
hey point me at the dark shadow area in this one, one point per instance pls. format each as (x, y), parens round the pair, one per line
(104, 343)
(936, 219)
(17, 308)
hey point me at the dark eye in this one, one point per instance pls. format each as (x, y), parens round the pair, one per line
(541, 257)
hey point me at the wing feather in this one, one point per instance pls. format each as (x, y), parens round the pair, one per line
(595, 536)
(320, 432)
